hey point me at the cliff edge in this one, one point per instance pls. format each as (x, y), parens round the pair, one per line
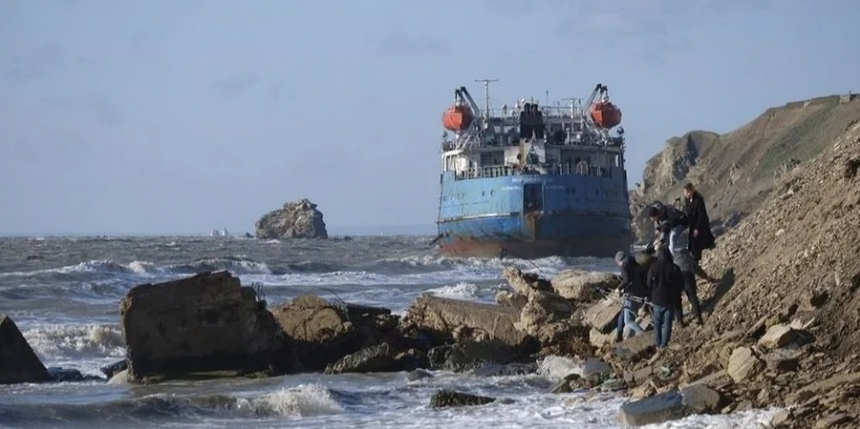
(736, 171)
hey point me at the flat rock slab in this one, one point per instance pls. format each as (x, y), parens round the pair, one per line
(18, 361)
(603, 315)
(697, 399)
(581, 285)
(444, 315)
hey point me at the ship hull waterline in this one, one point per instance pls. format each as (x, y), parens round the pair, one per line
(520, 249)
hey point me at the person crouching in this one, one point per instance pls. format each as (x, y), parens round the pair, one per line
(665, 283)
(633, 288)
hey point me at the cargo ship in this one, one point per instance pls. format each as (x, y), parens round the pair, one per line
(532, 181)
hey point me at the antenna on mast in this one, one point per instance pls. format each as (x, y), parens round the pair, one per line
(486, 95)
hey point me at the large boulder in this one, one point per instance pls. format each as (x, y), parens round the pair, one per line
(696, 399)
(18, 362)
(322, 332)
(603, 314)
(204, 325)
(299, 219)
(449, 398)
(581, 285)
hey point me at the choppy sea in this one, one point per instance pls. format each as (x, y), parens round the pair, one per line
(63, 293)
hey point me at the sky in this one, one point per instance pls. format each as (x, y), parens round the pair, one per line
(166, 117)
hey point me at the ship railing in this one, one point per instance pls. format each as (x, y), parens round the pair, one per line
(550, 170)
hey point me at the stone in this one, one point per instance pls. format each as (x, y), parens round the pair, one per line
(526, 284)
(603, 314)
(449, 398)
(599, 339)
(507, 370)
(779, 417)
(701, 399)
(441, 315)
(18, 361)
(634, 348)
(743, 364)
(571, 383)
(110, 370)
(831, 421)
(66, 375)
(120, 378)
(542, 309)
(581, 285)
(656, 409)
(376, 358)
(299, 219)
(777, 336)
(782, 360)
(203, 325)
(418, 374)
(470, 355)
(511, 299)
(717, 379)
(322, 332)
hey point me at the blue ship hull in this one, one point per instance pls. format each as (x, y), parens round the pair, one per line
(534, 216)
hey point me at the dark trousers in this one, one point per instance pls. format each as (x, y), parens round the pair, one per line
(662, 325)
(692, 296)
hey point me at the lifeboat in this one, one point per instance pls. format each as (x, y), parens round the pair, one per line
(457, 118)
(605, 114)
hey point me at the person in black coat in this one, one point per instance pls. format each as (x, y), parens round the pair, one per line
(665, 283)
(701, 237)
(633, 288)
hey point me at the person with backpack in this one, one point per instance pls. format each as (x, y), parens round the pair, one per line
(664, 283)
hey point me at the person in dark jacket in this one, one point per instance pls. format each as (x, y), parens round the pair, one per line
(665, 284)
(669, 223)
(701, 236)
(633, 288)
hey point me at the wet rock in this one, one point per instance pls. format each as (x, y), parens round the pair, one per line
(698, 399)
(449, 398)
(656, 409)
(777, 336)
(120, 378)
(110, 370)
(411, 359)
(60, 374)
(418, 374)
(442, 315)
(203, 325)
(372, 359)
(743, 364)
(322, 332)
(581, 285)
(633, 349)
(603, 314)
(571, 383)
(299, 219)
(18, 362)
(470, 355)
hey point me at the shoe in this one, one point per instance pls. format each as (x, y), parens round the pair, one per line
(682, 323)
(700, 321)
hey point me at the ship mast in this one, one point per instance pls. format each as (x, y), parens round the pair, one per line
(486, 96)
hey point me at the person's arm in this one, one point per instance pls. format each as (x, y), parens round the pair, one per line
(625, 280)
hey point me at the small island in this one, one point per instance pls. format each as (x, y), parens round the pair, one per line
(298, 219)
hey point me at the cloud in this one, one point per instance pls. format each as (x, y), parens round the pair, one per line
(235, 85)
(33, 63)
(401, 45)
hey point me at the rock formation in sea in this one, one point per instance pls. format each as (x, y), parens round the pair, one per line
(736, 171)
(298, 219)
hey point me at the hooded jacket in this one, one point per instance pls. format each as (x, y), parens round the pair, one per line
(633, 278)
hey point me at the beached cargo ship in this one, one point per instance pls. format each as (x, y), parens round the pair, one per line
(531, 181)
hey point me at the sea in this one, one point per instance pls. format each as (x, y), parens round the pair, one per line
(64, 293)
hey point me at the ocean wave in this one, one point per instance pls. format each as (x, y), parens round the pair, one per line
(298, 402)
(60, 342)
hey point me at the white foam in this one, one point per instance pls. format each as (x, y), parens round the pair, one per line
(300, 401)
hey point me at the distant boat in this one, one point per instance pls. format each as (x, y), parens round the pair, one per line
(219, 233)
(533, 181)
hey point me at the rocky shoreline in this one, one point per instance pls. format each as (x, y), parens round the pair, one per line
(210, 326)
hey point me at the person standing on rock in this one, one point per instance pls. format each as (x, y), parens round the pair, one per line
(669, 221)
(701, 236)
(633, 286)
(685, 262)
(665, 284)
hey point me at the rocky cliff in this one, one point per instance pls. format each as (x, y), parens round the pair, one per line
(736, 171)
(299, 219)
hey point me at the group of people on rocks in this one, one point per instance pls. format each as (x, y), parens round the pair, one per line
(667, 268)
